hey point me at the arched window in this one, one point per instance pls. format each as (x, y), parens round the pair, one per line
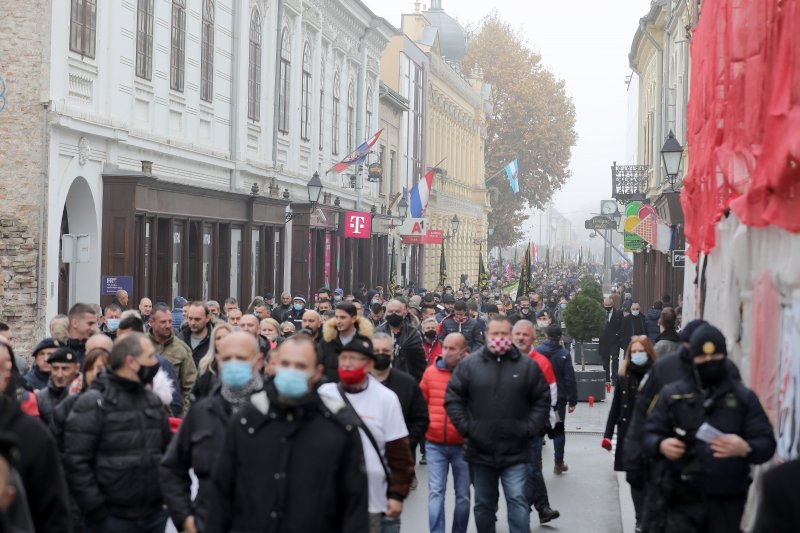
(369, 112)
(305, 104)
(144, 39)
(336, 104)
(177, 54)
(207, 52)
(82, 27)
(254, 70)
(283, 95)
(351, 116)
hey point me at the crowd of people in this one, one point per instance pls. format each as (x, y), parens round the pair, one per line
(295, 415)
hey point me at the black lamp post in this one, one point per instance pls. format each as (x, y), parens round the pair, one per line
(672, 156)
(403, 208)
(314, 192)
(454, 224)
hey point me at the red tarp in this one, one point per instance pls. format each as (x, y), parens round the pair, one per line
(743, 118)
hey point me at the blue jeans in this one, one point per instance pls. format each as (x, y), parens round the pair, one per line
(440, 458)
(535, 489)
(485, 479)
(390, 524)
(559, 442)
(154, 523)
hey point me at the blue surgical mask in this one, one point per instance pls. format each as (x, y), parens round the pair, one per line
(113, 324)
(236, 374)
(635, 313)
(563, 306)
(639, 358)
(291, 383)
(298, 307)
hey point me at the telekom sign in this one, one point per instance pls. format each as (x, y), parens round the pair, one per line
(357, 225)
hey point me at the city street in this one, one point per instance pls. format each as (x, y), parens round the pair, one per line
(587, 496)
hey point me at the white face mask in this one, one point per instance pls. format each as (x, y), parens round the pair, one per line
(639, 358)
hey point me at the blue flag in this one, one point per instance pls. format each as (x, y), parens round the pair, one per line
(512, 171)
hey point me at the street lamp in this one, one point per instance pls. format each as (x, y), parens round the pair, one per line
(403, 208)
(672, 155)
(454, 224)
(314, 187)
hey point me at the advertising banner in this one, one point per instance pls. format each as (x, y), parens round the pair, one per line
(357, 225)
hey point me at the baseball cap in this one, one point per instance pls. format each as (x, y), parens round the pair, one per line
(708, 340)
(360, 344)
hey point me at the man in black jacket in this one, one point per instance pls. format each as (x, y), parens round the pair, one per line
(337, 332)
(64, 370)
(289, 462)
(415, 410)
(114, 439)
(202, 434)
(198, 334)
(461, 322)
(38, 464)
(632, 326)
(498, 400)
(609, 340)
(409, 355)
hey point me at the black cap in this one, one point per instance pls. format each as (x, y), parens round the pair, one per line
(492, 308)
(708, 340)
(269, 296)
(360, 344)
(686, 331)
(44, 344)
(554, 331)
(63, 355)
(449, 299)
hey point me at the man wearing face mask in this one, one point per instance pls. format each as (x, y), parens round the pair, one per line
(632, 325)
(295, 314)
(461, 322)
(111, 316)
(449, 303)
(498, 427)
(202, 433)
(409, 356)
(610, 341)
(705, 432)
(114, 439)
(430, 340)
(337, 332)
(64, 380)
(524, 310)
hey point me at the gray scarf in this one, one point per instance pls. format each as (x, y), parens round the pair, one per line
(237, 398)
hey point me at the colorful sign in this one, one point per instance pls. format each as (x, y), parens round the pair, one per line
(327, 259)
(431, 236)
(413, 226)
(633, 242)
(109, 285)
(357, 225)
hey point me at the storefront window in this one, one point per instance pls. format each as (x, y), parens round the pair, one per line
(236, 261)
(255, 261)
(177, 249)
(207, 262)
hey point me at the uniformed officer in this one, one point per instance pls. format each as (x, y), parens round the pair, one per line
(704, 432)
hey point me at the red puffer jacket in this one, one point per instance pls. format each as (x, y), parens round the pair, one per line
(434, 385)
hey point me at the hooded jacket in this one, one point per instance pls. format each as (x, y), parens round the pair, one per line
(498, 404)
(651, 324)
(329, 347)
(561, 360)
(409, 355)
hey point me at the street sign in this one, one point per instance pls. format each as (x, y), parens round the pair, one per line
(600, 222)
(109, 285)
(678, 258)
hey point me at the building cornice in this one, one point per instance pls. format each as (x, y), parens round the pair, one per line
(454, 80)
(639, 38)
(392, 97)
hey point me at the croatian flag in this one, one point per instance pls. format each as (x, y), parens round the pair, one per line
(535, 253)
(420, 194)
(512, 171)
(357, 156)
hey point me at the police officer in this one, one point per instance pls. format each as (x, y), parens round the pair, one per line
(704, 432)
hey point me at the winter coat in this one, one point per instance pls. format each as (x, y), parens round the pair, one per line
(329, 347)
(48, 398)
(434, 386)
(39, 467)
(415, 411)
(610, 340)
(177, 319)
(280, 312)
(201, 349)
(175, 404)
(36, 378)
(179, 355)
(731, 408)
(632, 326)
(113, 442)
(779, 511)
(667, 342)
(621, 411)
(561, 360)
(471, 329)
(296, 318)
(432, 351)
(409, 355)
(319, 482)
(651, 324)
(498, 404)
(196, 445)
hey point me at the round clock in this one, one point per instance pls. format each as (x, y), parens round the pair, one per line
(608, 207)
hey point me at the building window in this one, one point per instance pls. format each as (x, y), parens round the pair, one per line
(351, 116)
(369, 112)
(82, 32)
(177, 55)
(283, 94)
(335, 128)
(305, 105)
(144, 39)
(254, 72)
(207, 53)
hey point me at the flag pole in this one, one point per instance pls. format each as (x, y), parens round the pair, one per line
(487, 180)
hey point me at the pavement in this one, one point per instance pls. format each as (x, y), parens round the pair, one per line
(590, 497)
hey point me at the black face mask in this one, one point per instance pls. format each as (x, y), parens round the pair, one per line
(147, 373)
(711, 372)
(287, 334)
(608, 308)
(430, 334)
(525, 310)
(382, 362)
(394, 320)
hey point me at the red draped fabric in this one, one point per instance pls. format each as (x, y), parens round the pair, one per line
(743, 118)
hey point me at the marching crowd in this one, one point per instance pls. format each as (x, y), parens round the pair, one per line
(302, 416)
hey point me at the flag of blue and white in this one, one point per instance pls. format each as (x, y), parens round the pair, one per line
(512, 171)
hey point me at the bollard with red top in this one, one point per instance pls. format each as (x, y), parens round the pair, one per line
(591, 401)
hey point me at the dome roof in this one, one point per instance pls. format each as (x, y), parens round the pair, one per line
(452, 36)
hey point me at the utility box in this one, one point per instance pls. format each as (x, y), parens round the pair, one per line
(75, 248)
(591, 382)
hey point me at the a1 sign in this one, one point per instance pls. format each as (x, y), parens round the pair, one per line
(678, 258)
(357, 225)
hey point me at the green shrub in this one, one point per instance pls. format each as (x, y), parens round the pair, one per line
(585, 318)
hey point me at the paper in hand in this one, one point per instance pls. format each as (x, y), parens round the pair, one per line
(708, 433)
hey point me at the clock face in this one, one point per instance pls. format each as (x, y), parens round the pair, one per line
(608, 207)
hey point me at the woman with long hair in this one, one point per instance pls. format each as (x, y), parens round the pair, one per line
(207, 369)
(639, 357)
